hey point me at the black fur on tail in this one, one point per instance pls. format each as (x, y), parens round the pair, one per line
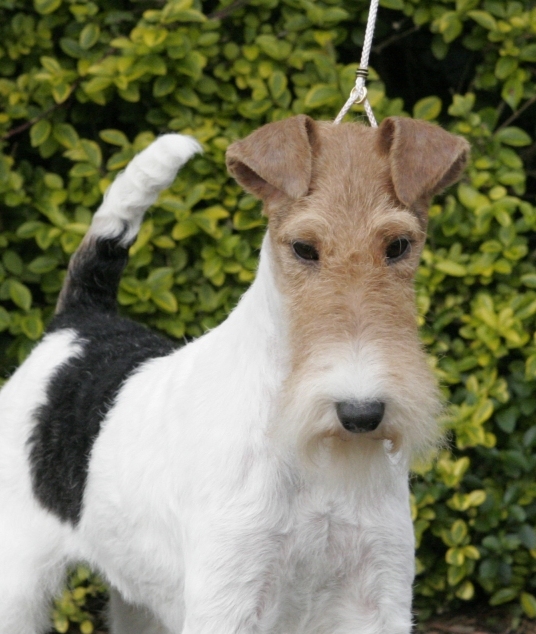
(93, 276)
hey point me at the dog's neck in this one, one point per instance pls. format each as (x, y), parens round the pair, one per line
(258, 322)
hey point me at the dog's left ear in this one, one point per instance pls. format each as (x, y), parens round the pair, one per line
(424, 159)
(275, 159)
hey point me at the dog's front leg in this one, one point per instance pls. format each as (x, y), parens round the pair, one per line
(230, 584)
(377, 598)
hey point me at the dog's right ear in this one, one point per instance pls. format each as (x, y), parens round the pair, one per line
(275, 159)
(424, 158)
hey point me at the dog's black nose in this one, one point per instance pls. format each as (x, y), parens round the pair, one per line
(360, 416)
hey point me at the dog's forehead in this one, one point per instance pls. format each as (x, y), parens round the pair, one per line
(349, 165)
(350, 188)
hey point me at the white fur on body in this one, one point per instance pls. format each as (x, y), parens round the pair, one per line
(197, 509)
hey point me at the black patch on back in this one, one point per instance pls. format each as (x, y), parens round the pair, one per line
(79, 395)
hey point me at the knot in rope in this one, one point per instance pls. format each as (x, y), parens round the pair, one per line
(359, 91)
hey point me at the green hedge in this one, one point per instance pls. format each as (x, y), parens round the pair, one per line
(84, 85)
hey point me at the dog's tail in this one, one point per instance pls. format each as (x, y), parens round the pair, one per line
(95, 269)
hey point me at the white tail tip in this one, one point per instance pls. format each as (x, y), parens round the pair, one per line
(136, 189)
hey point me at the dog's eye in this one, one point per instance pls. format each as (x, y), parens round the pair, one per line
(397, 249)
(305, 251)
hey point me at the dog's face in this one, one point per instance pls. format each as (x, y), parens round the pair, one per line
(347, 209)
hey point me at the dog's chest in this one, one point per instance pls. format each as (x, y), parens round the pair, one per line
(318, 557)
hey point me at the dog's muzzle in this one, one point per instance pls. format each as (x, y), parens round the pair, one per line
(360, 416)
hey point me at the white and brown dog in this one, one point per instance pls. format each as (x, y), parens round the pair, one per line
(254, 481)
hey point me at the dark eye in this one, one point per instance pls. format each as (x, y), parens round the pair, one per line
(397, 249)
(305, 251)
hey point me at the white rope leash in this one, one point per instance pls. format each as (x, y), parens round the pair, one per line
(359, 92)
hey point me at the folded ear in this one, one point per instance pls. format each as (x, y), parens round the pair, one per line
(424, 159)
(275, 159)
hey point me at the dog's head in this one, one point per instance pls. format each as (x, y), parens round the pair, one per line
(347, 209)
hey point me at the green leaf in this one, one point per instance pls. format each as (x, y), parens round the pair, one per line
(119, 160)
(505, 67)
(455, 556)
(476, 498)
(192, 65)
(156, 65)
(61, 92)
(277, 83)
(396, 5)
(61, 623)
(504, 595)
(530, 367)
(66, 135)
(13, 262)
(5, 319)
(513, 136)
(83, 170)
(70, 242)
(46, 6)
(527, 535)
(97, 84)
(483, 18)
(529, 279)
(189, 15)
(160, 279)
(512, 92)
(471, 552)
(165, 300)
(458, 531)
(114, 137)
(273, 47)
(89, 36)
(507, 419)
(242, 221)
(322, 95)
(449, 25)
(528, 53)
(29, 229)
(51, 64)
(32, 326)
(451, 268)
(428, 108)
(528, 603)
(40, 132)
(71, 47)
(20, 294)
(164, 86)
(254, 109)
(184, 229)
(455, 574)
(187, 97)
(92, 151)
(43, 264)
(466, 591)
(462, 105)
(482, 412)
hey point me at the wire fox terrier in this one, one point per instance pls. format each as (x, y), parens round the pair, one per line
(254, 481)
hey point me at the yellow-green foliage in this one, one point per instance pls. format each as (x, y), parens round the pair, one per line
(84, 85)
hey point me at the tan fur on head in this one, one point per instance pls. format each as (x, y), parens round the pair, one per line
(350, 191)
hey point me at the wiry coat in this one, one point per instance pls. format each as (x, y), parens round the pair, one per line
(214, 485)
